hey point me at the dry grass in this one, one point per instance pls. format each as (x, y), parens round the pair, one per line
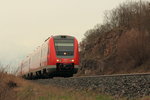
(7, 83)
(33, 91)
(16, 88)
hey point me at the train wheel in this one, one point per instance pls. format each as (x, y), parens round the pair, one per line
(45, 74)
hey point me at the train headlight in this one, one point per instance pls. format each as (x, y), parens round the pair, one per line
(72, 60)
(58, 60)
(65, 53)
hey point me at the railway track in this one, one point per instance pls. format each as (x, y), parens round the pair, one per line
(126, 85)
(114, 75)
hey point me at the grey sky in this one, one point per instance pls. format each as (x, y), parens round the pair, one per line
(25, 24)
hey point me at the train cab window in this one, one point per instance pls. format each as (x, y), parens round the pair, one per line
(64, 48)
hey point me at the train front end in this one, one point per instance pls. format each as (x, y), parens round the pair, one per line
(67, 55)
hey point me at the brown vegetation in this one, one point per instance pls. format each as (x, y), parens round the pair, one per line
(134, 50)
(121, 44)
(7, 84)
(16, 88)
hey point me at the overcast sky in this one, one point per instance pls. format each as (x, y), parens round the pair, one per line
(25, 24)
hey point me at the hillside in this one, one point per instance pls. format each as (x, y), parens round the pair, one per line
(121, 44)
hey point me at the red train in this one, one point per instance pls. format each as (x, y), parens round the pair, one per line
(58, 56)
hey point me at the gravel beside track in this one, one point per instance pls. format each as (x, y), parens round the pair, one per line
(132, 85)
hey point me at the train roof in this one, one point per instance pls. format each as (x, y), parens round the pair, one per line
(60, 37)
(63, 37)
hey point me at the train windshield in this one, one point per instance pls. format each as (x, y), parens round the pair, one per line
(64, 48)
